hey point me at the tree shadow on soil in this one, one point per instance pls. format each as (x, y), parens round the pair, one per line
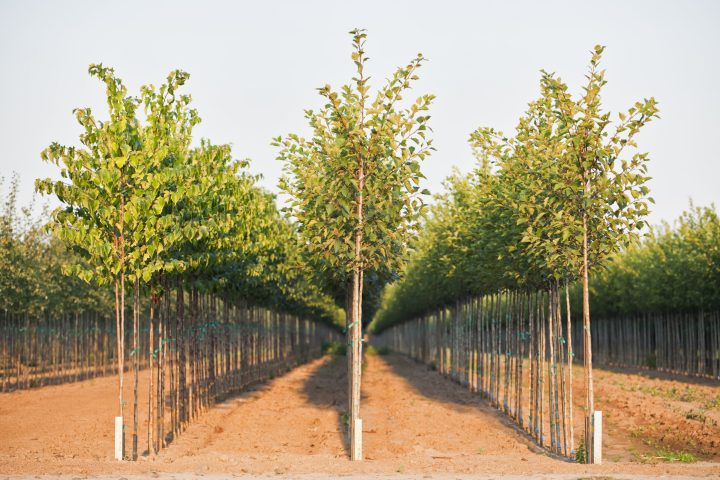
(327, 387)
(248, 389)
(431, 384)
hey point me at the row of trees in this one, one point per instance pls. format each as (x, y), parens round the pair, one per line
(154, 217)
(658, 299)
(54, 348)
(354, 190)
(53, 327)
(32, 262)
(508, 347)
(540, 211)
(675, 269)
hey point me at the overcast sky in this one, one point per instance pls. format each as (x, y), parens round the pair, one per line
(255, 66)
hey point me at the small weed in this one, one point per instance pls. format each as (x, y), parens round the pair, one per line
(580, 452)
(712, 403)
(667, 456)
(689, 395)
(671, 456)
(698, 415)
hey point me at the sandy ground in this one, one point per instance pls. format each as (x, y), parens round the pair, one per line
(644, 412)
(416, 424)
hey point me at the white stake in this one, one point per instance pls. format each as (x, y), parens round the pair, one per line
(119, 439)
(597, 437)
(357, 451)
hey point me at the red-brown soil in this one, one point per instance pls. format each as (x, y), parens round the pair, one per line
(414, 421)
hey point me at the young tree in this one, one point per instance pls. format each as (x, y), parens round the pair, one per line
(355, 188)
(605, 195)
(117, 191)
(544, 207)
(94, 193)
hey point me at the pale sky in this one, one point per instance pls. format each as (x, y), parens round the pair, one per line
(255, 66)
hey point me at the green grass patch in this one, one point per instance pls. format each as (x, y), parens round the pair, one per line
(667, 456)
(672, 456)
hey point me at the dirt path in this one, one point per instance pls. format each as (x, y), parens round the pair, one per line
(415, 422)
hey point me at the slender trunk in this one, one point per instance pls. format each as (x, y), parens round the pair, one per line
(570, 369)
(355, 352)
(151, 354)
(119, 341)
(552, 379)
(162, 333)
(122, 352)
(136, 364)
(182, 390)
(587, 348)
(356, 344)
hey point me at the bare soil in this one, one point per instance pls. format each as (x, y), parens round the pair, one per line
(415, 422)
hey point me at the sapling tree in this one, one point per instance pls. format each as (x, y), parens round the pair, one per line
(93, 192)
(139, 204)
(605, 193)
(543, 208)
(158, 168)
(354, 187)
(115, 190)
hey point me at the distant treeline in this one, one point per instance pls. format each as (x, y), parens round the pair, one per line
(32, 261)
(675, 269)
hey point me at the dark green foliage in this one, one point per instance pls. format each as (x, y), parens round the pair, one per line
(676, 268)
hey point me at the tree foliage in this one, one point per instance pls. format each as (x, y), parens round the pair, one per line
(675, 269)
(518, 220)
(138, 200)
(33, 263)
(356, 131)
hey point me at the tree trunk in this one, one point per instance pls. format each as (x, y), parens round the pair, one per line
(355, 352)
(119, 341)
(136, 364)
(151, 354)
(587, 349)
(570, 370)
(182, 380)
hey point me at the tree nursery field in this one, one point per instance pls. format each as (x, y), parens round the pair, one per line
(171, 316)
